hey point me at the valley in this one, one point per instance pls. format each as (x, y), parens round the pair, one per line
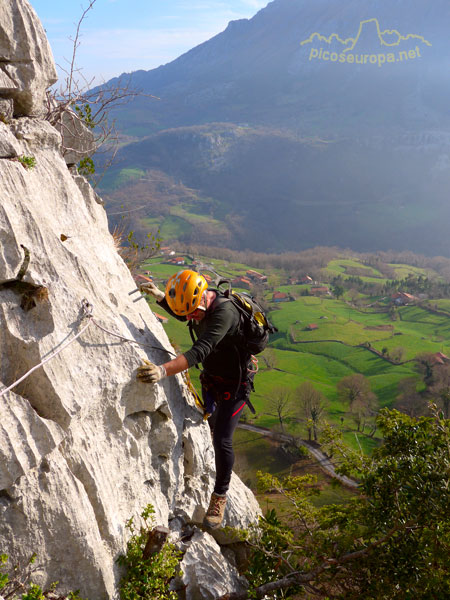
(327, 331)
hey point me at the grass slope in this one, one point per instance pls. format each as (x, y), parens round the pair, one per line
(338, 347)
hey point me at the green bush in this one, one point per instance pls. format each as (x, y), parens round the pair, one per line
(147, 578)
(86, 167)
(15, 582)
(390, 542)
(28, 162)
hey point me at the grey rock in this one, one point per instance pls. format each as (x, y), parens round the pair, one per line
(84, 185)
(206, 573)
(9, 146)
(83, 445)
(27, 68)
(78, 141)
(6, 109)
(25, 438)
(35, 135)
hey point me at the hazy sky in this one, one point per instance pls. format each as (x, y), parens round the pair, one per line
(126, 35)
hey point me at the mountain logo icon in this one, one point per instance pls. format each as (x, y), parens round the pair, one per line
(388, 37)
(389, 45)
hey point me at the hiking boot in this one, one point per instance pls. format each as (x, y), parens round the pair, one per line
(215, 512)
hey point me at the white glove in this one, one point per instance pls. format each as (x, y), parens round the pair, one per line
(151, 373)
(152, 289)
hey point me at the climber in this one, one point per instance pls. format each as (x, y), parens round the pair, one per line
(227, 376)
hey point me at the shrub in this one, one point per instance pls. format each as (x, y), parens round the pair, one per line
(15, 582)
(147, 577)
(28, 162)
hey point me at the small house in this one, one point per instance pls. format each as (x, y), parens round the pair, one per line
(440, 359)
(255, 276)
(161, 318)
(403, 299)
(320, 290)
(280, 297)
(178, 260)
(311, 327)
(241, 282)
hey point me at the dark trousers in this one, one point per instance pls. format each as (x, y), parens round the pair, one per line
(229, 404)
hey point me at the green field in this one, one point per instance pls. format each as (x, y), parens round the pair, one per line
(348, 267)
(113, 181)
(346, 341)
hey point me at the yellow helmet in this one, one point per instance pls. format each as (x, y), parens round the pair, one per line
(184, 291)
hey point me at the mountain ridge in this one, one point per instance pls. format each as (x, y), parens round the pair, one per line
(388, 119)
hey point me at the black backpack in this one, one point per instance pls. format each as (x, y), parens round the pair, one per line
(255, 326)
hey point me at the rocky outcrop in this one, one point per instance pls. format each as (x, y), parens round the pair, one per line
(26, 62)
(83, 445)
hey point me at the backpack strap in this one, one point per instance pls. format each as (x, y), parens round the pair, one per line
(219, 299)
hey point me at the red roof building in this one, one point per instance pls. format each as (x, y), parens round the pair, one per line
(322, 289)
(179, 260)
(403, 298)
(440, 359)
(257, 276)
(280, 297)
(161, 318)
(242, 282)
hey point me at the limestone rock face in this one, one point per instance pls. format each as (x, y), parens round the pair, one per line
(26, 62)
(206, 573)
(83, 445)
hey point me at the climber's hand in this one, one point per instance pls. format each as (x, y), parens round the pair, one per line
(150, 288)
(150, 373)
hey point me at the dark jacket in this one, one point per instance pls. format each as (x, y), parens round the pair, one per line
(217, 346)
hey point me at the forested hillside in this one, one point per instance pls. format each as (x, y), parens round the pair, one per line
(295, 128)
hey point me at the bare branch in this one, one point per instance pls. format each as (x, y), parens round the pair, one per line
(76, 44)
(81, 113)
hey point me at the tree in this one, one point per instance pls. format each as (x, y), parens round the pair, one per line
(310, 406)
(338, 291)
(425, 363)
(391, 542)
(81, 112)
(397, 354)
(352, 387)
(393, 313)
(355, 390)
(280, 405)
(270, 358)
(441, 387)
(409, 401)
(353, 294)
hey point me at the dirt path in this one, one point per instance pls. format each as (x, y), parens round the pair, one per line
(321, 458)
